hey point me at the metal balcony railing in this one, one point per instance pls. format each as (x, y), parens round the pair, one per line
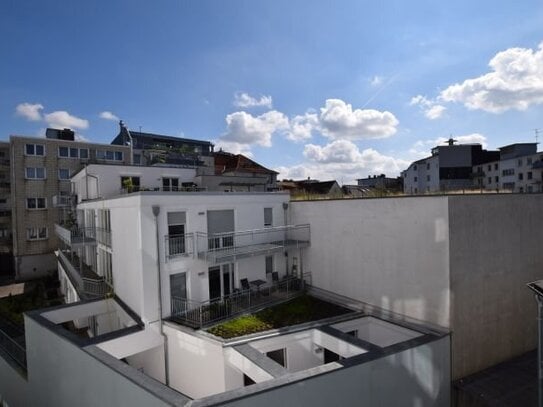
(179, 245)
(220, 247)
(85, 280)
(201, 314)
(135, 188)
(83, 235)
(13, 348)
(63, 201)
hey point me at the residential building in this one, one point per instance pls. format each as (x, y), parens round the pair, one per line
(382, 182)
(41, 169)
(518, 169)
(6, 245)
(237, 173)
(312, 187)
(449, 168)
(150, 148)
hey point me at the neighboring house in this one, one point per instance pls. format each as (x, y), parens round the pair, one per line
(312, 187)
(151, 148)
(6, 244)
(449, 168)
(237, 173)
(519, 169)
(41, 169)
(382, 183)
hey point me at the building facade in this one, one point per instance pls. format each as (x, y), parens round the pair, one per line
(40, 188)
(6, 245)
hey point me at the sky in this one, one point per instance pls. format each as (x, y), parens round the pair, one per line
(322, 89)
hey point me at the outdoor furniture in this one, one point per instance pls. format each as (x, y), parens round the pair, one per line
(245, 284)
(257, 284)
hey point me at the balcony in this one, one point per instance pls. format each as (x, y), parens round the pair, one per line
(63, 201)
(179, 245)
(83, 236)
(229, 246)
(202, 314)
(137, 188)
(85, 280)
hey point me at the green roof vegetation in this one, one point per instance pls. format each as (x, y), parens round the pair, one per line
(299, 310)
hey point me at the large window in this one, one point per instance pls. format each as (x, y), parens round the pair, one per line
(130, 184)
(170, 184)
(109, 155)
(35, 173)
(73, 152)
(35, 149)
(176, 233)
(268, 217)
(36, 203)
(36, 233)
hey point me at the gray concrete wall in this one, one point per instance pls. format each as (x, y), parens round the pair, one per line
(392, 253)
(414, 377)
(496, 248)
(14, 389)
(62, 374)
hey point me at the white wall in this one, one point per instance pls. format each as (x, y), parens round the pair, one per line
(196, 364)
(392, 253)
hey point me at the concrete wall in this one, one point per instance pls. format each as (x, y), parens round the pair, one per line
(13, 384)
(415, 377)
(495, 250)
(391, 253)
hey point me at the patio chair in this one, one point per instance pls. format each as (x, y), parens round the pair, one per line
(245, 284)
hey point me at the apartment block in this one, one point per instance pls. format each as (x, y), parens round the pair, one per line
(41, 169)
(6, 246)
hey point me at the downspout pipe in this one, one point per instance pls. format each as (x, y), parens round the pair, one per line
(156, 212)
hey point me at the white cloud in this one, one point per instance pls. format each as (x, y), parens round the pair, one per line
(338, 151)
(301, 127)
(431, 109)
(244, 100)
(338, 120)
(108, 116)
(62, 119)
(515, 82)
(233, 147)
(435, 112)
(29, 111)
(368, 162)
(244, 128)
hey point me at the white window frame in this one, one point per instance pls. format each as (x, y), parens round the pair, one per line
(35, 177)
(64, 179)
(36, 200)
(67, 152)
(34, 233)
(35, 153)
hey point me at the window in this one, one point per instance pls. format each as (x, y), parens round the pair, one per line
(529, 175)
(63, 152)
(269, 264)
(130, 184)
(176, 233)
(427, 166)
(416, 179)
(415, 167)
(170, 184)
(428, 178)
(63, 174)
(508, 171)
(268, 217)
(36, 233)
(496, 178)
(519, 162)
(74, 152)
(109, 155)
(84, 153)
(489, 167)
(35, 149)
(496, 166)
(529, 161)
(36, 203)
(520, 176)
(35, 173)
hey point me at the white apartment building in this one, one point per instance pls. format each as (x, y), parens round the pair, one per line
(449, 168)
(519, 169)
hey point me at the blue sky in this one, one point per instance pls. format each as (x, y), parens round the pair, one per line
(327, 89)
